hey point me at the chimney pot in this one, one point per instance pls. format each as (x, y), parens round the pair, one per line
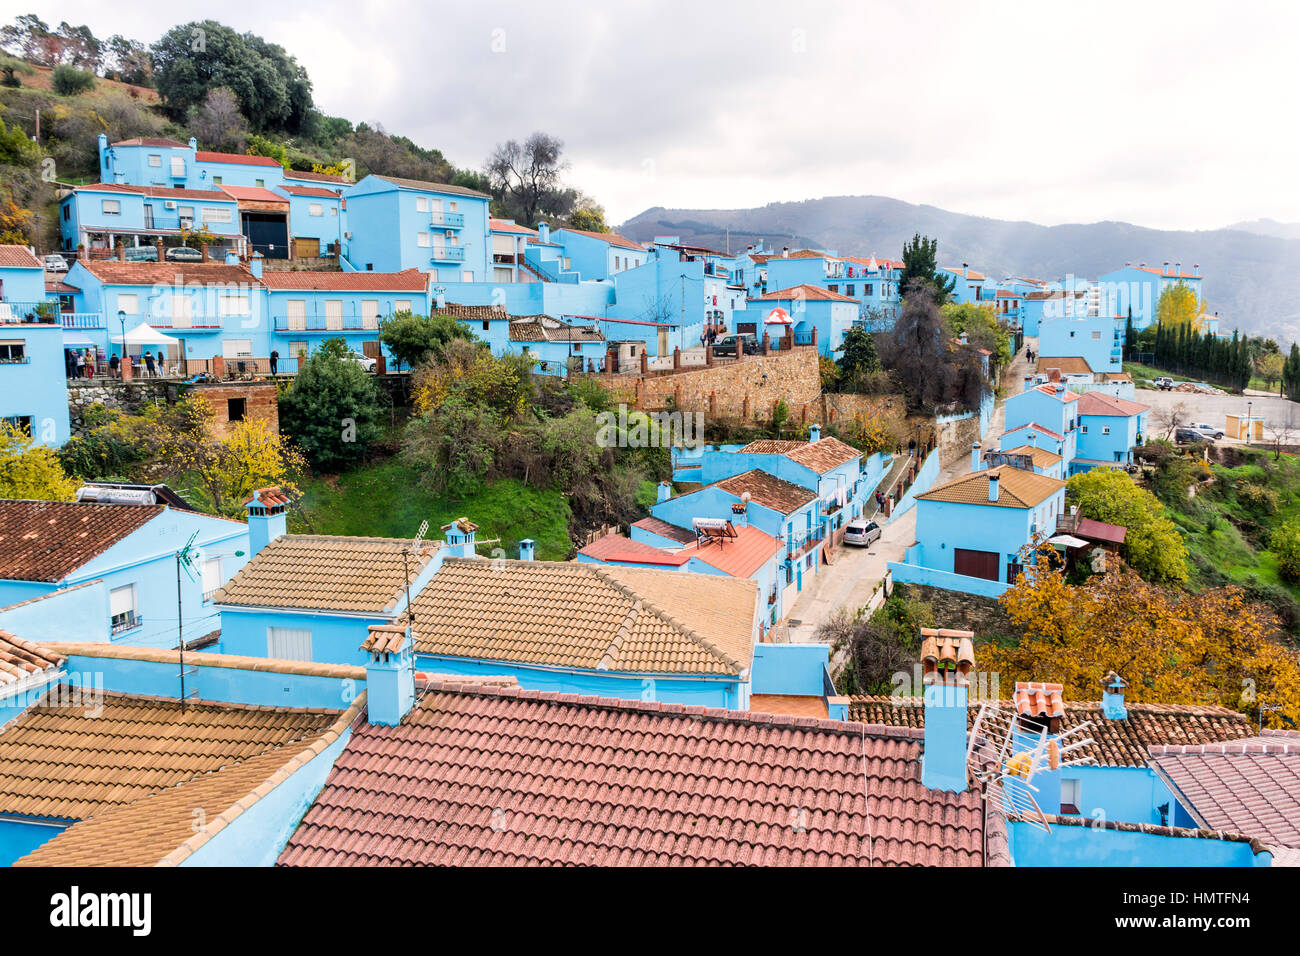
(1112, 697)
(975, 456)
(947, 656)
(814, 433)
(993, 486)
(390, 673)
(266, 518)
(527, 549)
(665, 491)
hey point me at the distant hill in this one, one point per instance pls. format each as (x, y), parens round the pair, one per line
(1252, 276)
(1269, 227)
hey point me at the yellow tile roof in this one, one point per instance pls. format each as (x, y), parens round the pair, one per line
(1017, 488)
(587, 616)
(1041, 456)
(327, 573)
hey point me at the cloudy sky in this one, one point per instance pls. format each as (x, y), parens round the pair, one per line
(1173, 115)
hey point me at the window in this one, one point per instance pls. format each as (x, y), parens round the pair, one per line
(211, 577)
(1084, 429)
(370, 314)
(260, 182)
(234, 410)
(334, 315)
(217, 215)
(233, 305)
(315, 209)
(123, 615)
(298, 350)
(334, 210)
(110, 207)
(13, 352)
(21, 422)
(236, 348)
(616, 261)
(178, 168)
(423, 240)
(182, 314)
(1105, 429)
(866, 289)
(1096, 335)
(128, 302)
(421, 203)
(402, 305)
(834, 287)
(155, 160)
(467, 275)
(849, 289)
(1070, 794)
(451, 206)
(186, 214)
(67, 212)
(486, 325)
(288, 643)
(297, 311)
(216, 180)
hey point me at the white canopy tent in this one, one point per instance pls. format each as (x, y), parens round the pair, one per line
(145, 334)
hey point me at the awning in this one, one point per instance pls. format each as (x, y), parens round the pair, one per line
(1068, 541)
(777, 316)
(76, 340)
(145, 334)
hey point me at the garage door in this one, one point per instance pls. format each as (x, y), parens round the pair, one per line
(976, 564)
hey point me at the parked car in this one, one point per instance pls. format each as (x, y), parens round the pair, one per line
(1186, 436)
(861, 532)
(365, 361)
(1164, 383)
(56, 263)
(728, 343)
(1209, 431)
(141, 254)
(183, 254)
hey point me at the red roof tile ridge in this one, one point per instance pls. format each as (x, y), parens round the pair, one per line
(206, 659)
(299, 759)
(1232, 748)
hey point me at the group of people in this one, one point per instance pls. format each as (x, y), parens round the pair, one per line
(82, 363)
(712, 333)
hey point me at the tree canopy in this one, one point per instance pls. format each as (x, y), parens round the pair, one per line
(332, 409)
(29, 470)
(1152, 544)
(525, 179)
(920, 266)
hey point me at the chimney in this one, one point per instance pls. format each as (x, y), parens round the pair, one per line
(947, 658)
(1042, 704)
(785, 252)
(964, 339)
(814, 433)
(157, 244)
(1127, 264)
(1112, 697)
(440, 298)
(975, 456)
(543, 232)
(390, 673)
(1033, 439)
(460, 538)
(963, 270)
(994, 485)
(194, 143)
(232, 257)
(665, 492)
(1142, 265)
(266, 517)
(203, 249)
(255, 265)
(527, 549)
(1196, 268)
(1178, 268)
(121, 251)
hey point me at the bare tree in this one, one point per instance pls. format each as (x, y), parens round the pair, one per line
(218, 123)
(1281, 432)
(526, 178)
(1170, 418)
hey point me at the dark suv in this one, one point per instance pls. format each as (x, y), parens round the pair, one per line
(727, 344)
(1186, 436)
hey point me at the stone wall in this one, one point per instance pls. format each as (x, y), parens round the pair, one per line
(250, 400)
(967, 612)
(955, 439)
(259, 398)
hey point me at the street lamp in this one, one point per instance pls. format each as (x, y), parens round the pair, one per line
(121, 319)
(1250, 426)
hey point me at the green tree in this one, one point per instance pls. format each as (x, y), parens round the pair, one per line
(1285, 543)
(413, 338)
(589, 217)
(859, 353)
(69, 81)
(453, 447)
(332, 409)
(29, 470)
(1152, 544)
(920, 267)
(982, 328)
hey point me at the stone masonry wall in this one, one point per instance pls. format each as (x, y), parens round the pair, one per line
(131, 397)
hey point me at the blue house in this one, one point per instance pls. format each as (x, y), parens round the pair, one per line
(819, 317)
(1138, 288)
(597, 255)
(968, 285)
(1098, 340)
(970, 531)
(510, 243)
(317, 220)
(1051, 405)
(398, 224)
(33, 376)
(1051, 301)
(1036, 436)
(1109, 429)
(127, 538)
(100, 216)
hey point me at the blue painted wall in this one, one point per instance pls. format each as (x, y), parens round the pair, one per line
(1100, 847)
(21, 835)
(34, 387)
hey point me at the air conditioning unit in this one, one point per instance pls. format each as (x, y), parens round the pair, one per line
(347, 235)
(169, 204)
(449, 233)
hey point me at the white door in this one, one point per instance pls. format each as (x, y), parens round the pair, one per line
(288, 643)
(181, 311)
(370, 313)
(297, 315)
(334, 315)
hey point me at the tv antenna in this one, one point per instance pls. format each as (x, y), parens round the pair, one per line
(187, 559)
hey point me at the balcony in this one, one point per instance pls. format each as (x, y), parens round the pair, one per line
(82, 320)
(320, 322)
(446, 220)
(15, 312)
(447, 254)
(127, 622)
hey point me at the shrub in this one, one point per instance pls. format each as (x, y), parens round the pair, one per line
(69, 81)
(1285, 543)
(332, 411)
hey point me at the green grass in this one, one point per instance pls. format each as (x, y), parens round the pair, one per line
(1144, 376)
(385, 499)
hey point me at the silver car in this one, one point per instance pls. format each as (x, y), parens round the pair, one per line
(861, 532)
(55, 263)
(1209, 431)
(365, 361)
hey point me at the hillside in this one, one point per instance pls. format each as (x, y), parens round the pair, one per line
(1253, 279)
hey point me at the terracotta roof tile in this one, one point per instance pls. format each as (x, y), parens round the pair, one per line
(1250, 786)
(114, 272)
(480, 776)
(739, 557)
(316, 177)
(327, 573)
(502, 225)
(311, 192)
(79, 753)
(781, 496)
(254, 194)
(805, 291)
(1068, 364)
(157, 192)
(47, 540)
(425, 186)
(149, 141)
(544, 328)
(1116, 743)
(21, 659)
(1041, 457)
(572, 614)
(617, 548)
(1058, 392)
(665, 530)
(821, 456)
(1099, 403)
(18, 257)
(1017, 488)
(1035, 699)
(1034, 425)
(613, 238)
(409, 280)
(240, 159)
(793, 705)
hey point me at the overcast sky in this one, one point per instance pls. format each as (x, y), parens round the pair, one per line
(1173, 115)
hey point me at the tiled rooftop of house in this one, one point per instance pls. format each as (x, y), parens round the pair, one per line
(740, 556)
(158, 192)
(425, 186)
(1099, 403)
(1041, 457)
(1068, 364)
(20, 659)
(791, 705)
(505, 225)
(114, 272)
(47, 540)
(241, 159)
(17, 257)
(613, 238)
(1038, 428)
(254, 194)
(327, 573)
(1116, 743)
(805, 291)
(1057, 391)
(85, 752)
(1017, 488)
(483, 776)
(617, 548)
(781, 496)
(543, 328)
(316, 177)
(587, 616)
(665, 529)
(821, 456)
(409, 280)
(309, 192)
(1249, 786)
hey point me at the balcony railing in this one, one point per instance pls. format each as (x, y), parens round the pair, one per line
(447, 254)
(12, 311)
(129, 623)
(82, 320)
(319, 322)
(446, 220)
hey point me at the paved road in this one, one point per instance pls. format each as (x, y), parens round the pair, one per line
(1213, 409)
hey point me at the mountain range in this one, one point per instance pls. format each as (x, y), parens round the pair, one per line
(1251, 269)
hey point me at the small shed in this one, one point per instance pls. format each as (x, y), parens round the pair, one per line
(1245, 429)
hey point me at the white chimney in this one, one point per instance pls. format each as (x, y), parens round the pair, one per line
(975, 456)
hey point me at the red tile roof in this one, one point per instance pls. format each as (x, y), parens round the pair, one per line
(616, 548)
(425, 186)
(409, 280)
(156, 192)
(1036, 427)
(805, 291)
(311, 192)
(1246, 786)
(241, 159)
(254, 194)
(821, 456)
(504, 225)
(740, 556)
(1099, 403)
(21, 659)
(114, 272)
(18, 257)
(791, 705)
(503, 776)
(1034, 699)
(47, 540)
(316, 177)
(58, 286)
(665, 530)
(1064, 394)
(783, 497)
(613, 238)
(1100, 531)
(149, 141)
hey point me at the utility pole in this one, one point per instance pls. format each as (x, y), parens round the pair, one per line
(180, 629)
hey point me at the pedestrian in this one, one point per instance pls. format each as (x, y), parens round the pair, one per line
(275, 360)
(69, 364)
(115, 366)
(161, 368)
(81, 365)
(149, 366)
